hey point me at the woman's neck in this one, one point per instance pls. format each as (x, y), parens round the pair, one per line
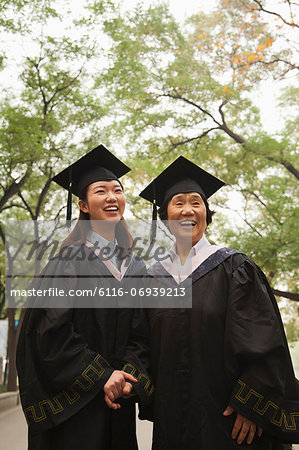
(104, 229)
(183, 249)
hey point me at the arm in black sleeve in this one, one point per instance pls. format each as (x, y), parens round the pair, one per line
(137, 358)
(266, 390)
(59, 374)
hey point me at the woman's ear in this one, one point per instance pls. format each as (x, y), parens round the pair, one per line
(83, 206)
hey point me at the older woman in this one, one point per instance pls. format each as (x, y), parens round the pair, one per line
(76, 353)
(222, 368)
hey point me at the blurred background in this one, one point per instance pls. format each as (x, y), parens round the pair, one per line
(214, 81)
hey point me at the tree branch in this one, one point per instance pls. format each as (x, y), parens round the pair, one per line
(291, 24)
(13, 189)
(2, 235)
(63, 88)
(261, 202)
(249, 224)
(289, 295)
(13, 205)
(190, 102)
(42, 196)
(287, 165)
(186, 141)
(236, 137)
(291, 65)
(223, 126)
(220, 109)
(36, 66)
(28, 207)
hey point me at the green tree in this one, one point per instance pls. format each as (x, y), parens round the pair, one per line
(187, 89)
(50, 116)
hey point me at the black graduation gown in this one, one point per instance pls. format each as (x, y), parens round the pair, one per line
(66, 355)
(228, 349)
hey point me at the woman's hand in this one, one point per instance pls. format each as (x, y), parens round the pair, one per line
(243, 427)
(117, 386)
(128, 391)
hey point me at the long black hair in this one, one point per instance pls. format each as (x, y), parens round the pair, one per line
(79, 234)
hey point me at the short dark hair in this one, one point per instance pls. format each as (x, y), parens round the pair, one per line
(163, 210)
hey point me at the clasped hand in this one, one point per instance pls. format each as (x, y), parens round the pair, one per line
(243, 427)
(118, 386)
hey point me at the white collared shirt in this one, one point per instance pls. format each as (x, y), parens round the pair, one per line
(97, 243)
(197, 255)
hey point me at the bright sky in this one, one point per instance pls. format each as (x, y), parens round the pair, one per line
(180, 8)
(265, 97)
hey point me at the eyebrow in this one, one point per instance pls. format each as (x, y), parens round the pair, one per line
(197, 196)
(103, 186)
(178, 196)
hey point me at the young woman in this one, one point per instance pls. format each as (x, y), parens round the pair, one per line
(79, 369)
(221, 368)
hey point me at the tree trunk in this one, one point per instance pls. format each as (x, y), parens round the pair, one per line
(11, 351)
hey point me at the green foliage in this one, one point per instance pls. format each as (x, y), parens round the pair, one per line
(290, 313)
(52, 118)
(294, 350)
(47, 119)
(157, 88)
(186, 89)
(170, 89)
(21, 15)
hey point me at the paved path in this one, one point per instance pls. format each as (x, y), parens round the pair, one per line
(13, 431)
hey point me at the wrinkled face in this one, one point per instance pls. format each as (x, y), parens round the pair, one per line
(186, 214)
(105, 201)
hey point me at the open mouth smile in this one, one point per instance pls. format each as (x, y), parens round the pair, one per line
(187, 223)
(111, 209)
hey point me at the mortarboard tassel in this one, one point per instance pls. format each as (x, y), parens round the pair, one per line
(69, 199)
(154, 222)
(69, 206)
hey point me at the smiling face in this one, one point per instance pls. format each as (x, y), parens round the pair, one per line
(105, 201)
(186, 214)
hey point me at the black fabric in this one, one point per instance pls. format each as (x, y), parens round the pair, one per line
(183, 186)
(98, 164)
(93, 175)
(210, 356)
(182, 174)
(91, 428)
(66, 355)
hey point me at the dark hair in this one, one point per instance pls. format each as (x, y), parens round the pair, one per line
(79, 234)
(163, 209)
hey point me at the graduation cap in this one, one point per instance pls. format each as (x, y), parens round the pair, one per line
(182, 176)
(97, 165)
